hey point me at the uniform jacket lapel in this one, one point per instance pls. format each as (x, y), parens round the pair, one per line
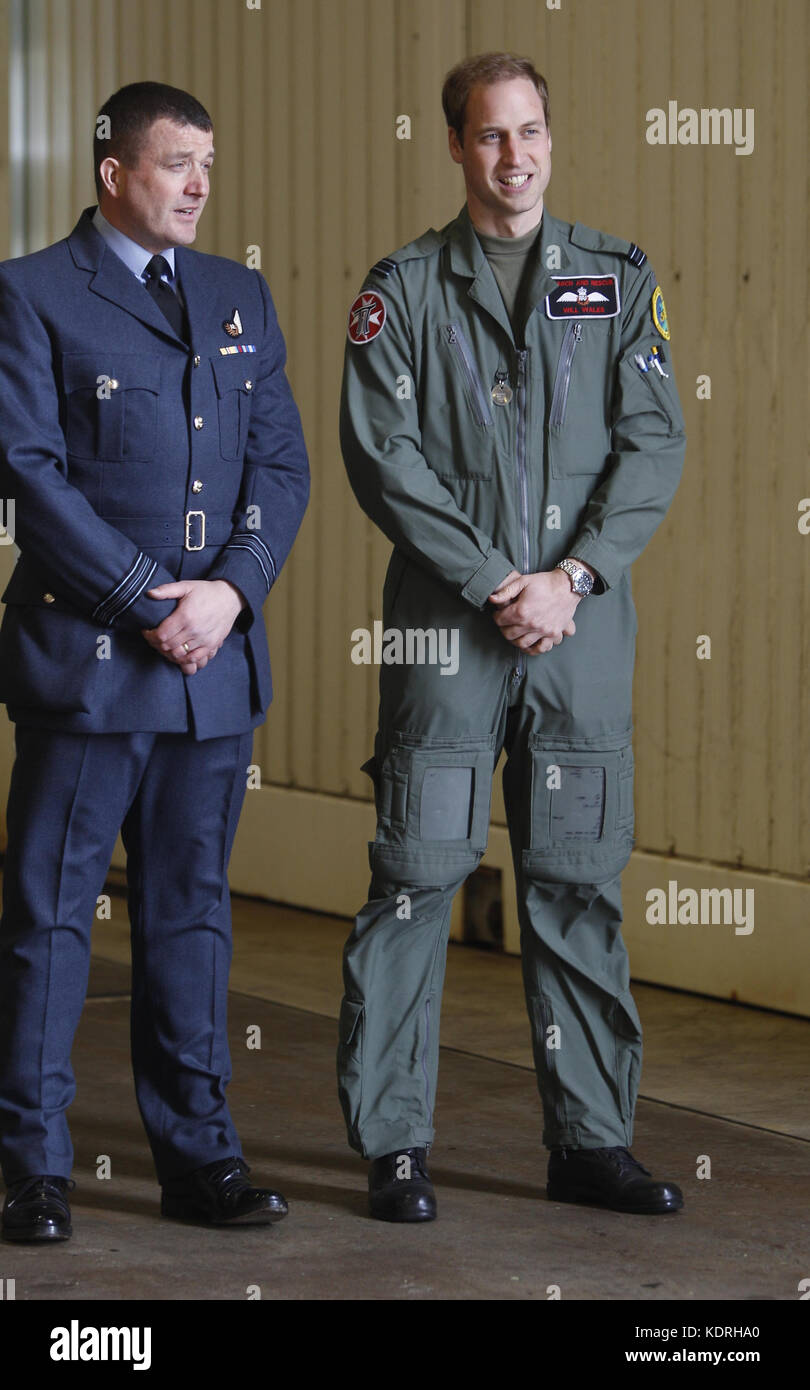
(199, 287)
(111, 278)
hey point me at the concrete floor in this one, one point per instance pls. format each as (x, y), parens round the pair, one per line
(718, 1080)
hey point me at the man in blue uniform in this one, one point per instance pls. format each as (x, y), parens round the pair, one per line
(154, 454)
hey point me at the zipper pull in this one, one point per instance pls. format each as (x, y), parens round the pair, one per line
(577, 331)
(451, 333)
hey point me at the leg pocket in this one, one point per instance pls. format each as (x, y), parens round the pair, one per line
(581, 818)
(350, 1064)
(627, 1027)
(433, 807)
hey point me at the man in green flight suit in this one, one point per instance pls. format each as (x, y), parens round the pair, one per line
(510, 420)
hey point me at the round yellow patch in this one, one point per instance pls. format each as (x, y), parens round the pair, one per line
(659, 312)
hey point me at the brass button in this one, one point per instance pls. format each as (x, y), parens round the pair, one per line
(196, 360)
(49, 598)
(248, 385)
(198, 422)
(196, 486)
(113, 384)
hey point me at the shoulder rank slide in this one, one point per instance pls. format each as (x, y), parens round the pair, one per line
(383, 267)
(636, 256)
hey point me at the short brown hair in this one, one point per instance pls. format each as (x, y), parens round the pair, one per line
(484, 70)
(132, 111)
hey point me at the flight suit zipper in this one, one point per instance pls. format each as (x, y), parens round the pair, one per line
(559, 399)
(425, 1072)
(522, 356)
(457, 341)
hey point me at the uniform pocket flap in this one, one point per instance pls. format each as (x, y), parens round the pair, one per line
(113, 371)
(351, 1015)
(28, 586)
(231, 374)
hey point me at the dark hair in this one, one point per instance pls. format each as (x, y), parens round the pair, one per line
(132, 111)
(484, 70)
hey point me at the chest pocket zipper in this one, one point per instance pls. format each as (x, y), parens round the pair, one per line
(459, 346)
(559, 399)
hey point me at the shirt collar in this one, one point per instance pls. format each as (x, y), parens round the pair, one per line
(136, 258)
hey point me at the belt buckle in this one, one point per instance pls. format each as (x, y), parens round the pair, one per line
(188, 544)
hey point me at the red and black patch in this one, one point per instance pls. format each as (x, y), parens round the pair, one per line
(366, 317)
(584, 297)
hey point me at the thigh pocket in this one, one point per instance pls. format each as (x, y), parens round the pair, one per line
(581, 817)
(433, 800)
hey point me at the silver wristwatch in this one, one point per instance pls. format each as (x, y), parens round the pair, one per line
(581, 581)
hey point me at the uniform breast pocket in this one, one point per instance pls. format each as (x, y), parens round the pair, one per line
(234, 398)
(111, 406)
(458, 425)
(578, 419)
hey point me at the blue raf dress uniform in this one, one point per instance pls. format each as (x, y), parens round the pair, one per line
(134, 458)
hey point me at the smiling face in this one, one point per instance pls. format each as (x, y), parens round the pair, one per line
(158, 202)
(506, 157)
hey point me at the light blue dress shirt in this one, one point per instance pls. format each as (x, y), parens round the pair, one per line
(136, 258)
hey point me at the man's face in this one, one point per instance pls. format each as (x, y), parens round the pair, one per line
(158, 203)
(506, 156)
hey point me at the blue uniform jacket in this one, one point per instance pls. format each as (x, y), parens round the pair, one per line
(119, 443)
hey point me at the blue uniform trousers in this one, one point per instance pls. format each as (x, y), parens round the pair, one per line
(177, 803)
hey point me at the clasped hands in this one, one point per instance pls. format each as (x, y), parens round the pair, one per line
(535, 611)
(205, 613)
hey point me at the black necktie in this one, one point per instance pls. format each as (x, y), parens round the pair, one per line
(165, 298)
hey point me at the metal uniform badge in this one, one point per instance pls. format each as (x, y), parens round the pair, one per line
(584, 297)
(501, 392)
(659, 312)
(366, 317)
(233, 325)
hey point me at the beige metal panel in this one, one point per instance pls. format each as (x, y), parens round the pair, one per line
(790, 448)
(324, 188)
(304, 127)
(368, 227)
(334, 503)
(271, 162)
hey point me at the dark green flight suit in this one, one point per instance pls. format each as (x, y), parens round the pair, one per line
(582, 461)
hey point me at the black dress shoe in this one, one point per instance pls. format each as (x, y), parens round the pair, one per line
(37, 1208)
(220, 1195)
(399, 1187)
(609, 1178)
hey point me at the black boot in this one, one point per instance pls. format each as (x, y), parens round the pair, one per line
(399, 1187)
(608, 1178)
(219, 1194)
(37, 1208)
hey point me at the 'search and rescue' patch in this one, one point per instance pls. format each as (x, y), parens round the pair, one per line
(659, 312)
(366, 317)
(584, 297)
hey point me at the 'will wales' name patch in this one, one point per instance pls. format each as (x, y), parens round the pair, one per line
(584, 297)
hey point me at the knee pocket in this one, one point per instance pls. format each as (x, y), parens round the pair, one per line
(580, 823)
(433, 799)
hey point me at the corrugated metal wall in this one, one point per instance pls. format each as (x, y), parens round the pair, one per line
(304, 95)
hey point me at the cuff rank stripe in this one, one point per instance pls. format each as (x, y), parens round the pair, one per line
(248, 540)
(125, 593)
